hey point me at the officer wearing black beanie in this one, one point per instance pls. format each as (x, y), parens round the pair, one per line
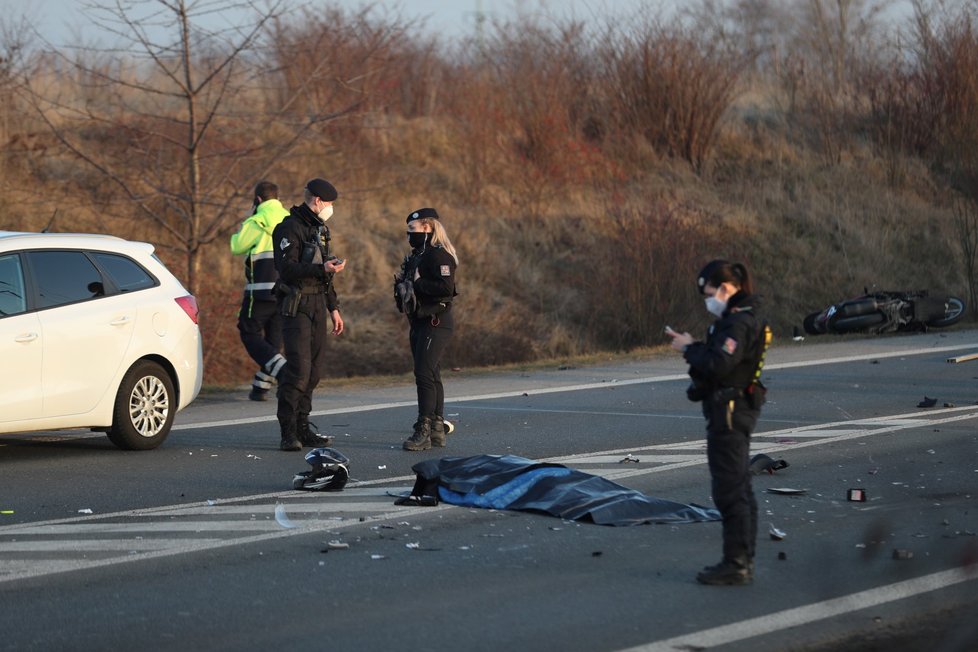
(424, 290)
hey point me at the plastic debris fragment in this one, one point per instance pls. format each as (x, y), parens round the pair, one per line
(856, 495)
(927, 402)
(282, 519)
(776, 534)
(787, 491)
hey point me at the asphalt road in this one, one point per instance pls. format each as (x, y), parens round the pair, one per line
(202, 544)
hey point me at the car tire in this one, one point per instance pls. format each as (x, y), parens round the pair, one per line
(144, 408)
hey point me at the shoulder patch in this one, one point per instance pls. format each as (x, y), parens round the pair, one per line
(729, 346)
(445, 270)
(284, 244)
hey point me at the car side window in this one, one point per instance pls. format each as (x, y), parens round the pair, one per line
(127, 275)
(64, 277)
(13, 300)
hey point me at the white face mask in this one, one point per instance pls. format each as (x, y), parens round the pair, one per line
(326, 213)
(715, 306)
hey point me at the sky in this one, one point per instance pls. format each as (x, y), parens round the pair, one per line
(58, 20)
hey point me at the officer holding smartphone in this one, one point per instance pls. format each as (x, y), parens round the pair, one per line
(306, 299)
(723, 369)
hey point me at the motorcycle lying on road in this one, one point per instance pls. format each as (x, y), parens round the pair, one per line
(887, 312)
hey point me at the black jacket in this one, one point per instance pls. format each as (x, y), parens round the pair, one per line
(734, 343)
(435, 284)
(302, 231)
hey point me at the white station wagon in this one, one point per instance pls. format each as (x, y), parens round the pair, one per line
(95, 333)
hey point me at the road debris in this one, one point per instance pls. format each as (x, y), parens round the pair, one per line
(856, 495)
(628, 458)
(787, 491)
(282, 518)
(776, 534)
(336, 544)
(927, 402)
(902, 553)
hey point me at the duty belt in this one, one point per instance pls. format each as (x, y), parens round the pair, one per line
(314, 289)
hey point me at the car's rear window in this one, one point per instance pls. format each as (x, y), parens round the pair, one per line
(127, 275)
(12, 298)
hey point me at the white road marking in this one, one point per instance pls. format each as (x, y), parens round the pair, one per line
(809, 613)
(576, 388)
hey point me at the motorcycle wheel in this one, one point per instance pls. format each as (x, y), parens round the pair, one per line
(811, 326)
(953, 312)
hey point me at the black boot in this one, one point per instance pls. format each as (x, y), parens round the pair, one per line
(289, 441)
(309, 435)
(438, 432)
(729, 572)
(421, 439)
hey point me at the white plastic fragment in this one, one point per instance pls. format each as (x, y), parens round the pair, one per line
(282, 519)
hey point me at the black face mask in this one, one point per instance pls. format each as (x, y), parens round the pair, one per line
(417, 239)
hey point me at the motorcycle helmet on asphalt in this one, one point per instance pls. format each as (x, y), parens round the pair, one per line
(330, 471)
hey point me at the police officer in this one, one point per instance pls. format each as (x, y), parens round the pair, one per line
(259, 322)
(722, 369)
(424, 290)
(307, 297)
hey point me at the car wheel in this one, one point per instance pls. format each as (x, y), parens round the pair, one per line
(144, 408)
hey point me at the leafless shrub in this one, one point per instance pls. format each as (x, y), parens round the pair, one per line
(672, 86)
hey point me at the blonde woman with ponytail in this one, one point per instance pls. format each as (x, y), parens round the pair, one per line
(424, 290)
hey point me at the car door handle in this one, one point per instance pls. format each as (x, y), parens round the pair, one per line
(26, 337)
(121, 321)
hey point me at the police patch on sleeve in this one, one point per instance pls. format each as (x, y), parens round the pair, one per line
(284, 244)
(445, 271)
(729, 346)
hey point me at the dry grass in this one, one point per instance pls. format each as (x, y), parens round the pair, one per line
(585, 176)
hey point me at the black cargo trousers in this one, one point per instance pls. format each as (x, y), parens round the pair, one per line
(428, 343)
(729, 424)
(304, 336)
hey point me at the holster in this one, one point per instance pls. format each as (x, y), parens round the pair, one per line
(288, 299)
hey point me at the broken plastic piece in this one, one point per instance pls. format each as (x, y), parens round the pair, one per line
(787, 491)
(856, 495)
(927, 402)
(628, 458)
(336, 544)
(282, 519)
(776, 534)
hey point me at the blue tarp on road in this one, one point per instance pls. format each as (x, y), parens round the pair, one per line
(512, 482)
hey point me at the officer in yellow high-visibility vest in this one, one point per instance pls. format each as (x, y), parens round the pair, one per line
(259, 321)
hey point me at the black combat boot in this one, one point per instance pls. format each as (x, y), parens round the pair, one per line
(438, 432)
(309, 435)
(421, 439)
(289, 441)
(729, 572)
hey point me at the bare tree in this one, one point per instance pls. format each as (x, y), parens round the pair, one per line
(174, 115)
